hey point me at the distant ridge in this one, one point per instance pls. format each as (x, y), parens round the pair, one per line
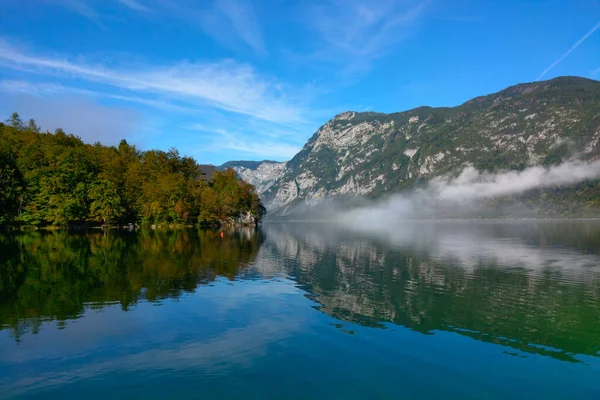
(252, 165)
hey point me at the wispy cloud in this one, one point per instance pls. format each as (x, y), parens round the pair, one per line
(243, 20)
(81, 7)
(89, 8)
(263, 149)
(21, 86)
(573, 48)
(224, 85)
(44, 89)
(216, 133)
(230, 22)
(227, 20)
(134, 5)
(362, 30)
(255, 147)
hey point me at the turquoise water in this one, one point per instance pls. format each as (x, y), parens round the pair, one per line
(459, 310)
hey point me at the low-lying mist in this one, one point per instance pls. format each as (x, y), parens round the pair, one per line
(473, 185)
(464, 195)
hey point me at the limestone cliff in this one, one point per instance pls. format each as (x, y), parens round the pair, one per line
(371, 154)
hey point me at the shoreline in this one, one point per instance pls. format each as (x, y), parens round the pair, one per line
(132, 227)
(445, 220)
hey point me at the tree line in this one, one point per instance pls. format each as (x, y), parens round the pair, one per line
(57, 179)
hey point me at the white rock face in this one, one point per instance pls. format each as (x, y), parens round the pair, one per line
(430, 163)
(363, 154)
(593, 143)
(410, 152)
(262, 177)
(350, 142)
(350, 147)
(288, 192)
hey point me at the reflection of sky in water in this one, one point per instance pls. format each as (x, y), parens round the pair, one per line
(260, 336)
(215, 327)
(261, 339)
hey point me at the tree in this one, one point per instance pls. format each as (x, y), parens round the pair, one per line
(105, 204)
(15, 121)
(56, 178)
(31, 126)
(10, 184)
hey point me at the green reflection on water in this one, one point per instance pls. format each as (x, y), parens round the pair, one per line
(545, 306)
(54, 275)
(549, 310)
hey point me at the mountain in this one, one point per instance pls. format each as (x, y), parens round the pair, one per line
(251, 165)
(370, 154)
(261, 174)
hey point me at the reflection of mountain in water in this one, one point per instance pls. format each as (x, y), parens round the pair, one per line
(534, 287)
(53, 276)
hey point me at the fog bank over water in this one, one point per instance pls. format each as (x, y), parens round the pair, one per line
(465, 193)
(472, 184)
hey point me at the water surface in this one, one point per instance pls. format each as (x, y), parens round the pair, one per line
(469, 309)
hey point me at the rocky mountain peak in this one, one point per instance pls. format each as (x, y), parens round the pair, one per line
(347, 115)
(372, 154)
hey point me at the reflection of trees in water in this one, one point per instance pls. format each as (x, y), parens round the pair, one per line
(53, 275)
(359, 279)
(552, 311)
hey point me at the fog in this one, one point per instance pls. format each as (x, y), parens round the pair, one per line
(472, 185)
(463, 194)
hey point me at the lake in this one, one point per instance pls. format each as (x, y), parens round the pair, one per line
(428, 310)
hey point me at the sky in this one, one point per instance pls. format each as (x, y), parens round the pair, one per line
(228, 80)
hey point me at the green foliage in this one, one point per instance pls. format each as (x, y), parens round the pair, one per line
(106, 204)
(56, 179)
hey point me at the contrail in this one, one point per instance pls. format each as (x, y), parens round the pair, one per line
(576, 45)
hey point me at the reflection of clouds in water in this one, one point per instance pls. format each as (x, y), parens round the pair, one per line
(239, 342)
(267, 265)
(465, 244)
(470, 247)
(455, 276)
(240, 347)
(81, 333)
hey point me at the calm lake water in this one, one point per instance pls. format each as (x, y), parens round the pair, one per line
(458, 310)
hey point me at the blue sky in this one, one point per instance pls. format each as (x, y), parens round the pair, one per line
(232, 79)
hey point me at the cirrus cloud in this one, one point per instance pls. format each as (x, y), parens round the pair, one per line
(225, 85)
